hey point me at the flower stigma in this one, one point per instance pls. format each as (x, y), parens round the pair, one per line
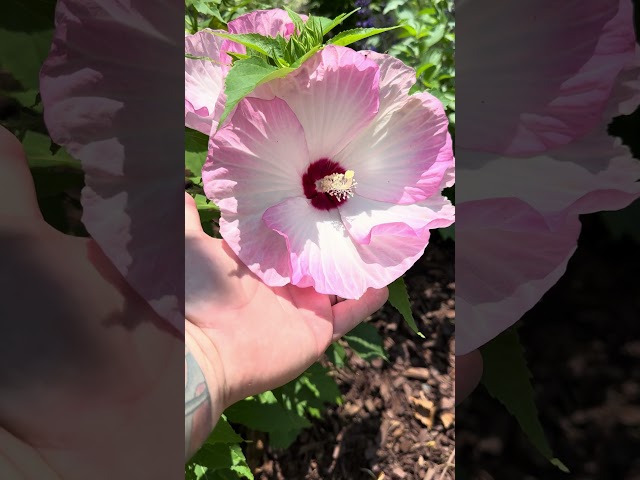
(339, 185)
(327, 184)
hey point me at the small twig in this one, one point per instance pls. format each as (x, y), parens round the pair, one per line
(448, 464)
(336, 450)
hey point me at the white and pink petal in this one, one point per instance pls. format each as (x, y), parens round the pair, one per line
(203, 80)
(323, 254)
(402, 157)
(261, 249)
(255, 161)
(363, 217)
(335, 95)
(265, 22)
(396, 79)
(258, 158)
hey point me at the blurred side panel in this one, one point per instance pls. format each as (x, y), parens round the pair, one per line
(546, 95)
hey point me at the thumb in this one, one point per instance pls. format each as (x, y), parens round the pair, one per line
(348, 314)
(191, 216)
(18, 203)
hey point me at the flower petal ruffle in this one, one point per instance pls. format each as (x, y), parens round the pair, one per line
(203, 81)
(323, 256)
(265, 22)
(335, 95)
(396, 79)
(403, 156)
(254, 161)
(363, 217)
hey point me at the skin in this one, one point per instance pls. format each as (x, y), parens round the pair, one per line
(241, 313)
(89, 371)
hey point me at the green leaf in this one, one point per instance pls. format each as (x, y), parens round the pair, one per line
(508, 379)
(448, 233)
(265, 417)
(296, 19)
(224, 433)
(307, 396)
(435, 36)
(238, 56)
(195, 152)
(22, 55)
(259, 43)
(205, 7)
(322, 385)
(312, 32)
(207, 210)
(423, 69)
(37, 147)
(324, 23)
(366, 342)
(399, 299)
(26, 31)
(283, 439)
(306, 56)
(296, 48)
(27, 98)
(244, 77)
(213, 457)
(326, 28)
(209, 59)
(392, 5)
(350, 36)
(336, 354)
(228, 474)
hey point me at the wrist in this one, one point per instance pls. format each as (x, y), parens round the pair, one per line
(204, 389)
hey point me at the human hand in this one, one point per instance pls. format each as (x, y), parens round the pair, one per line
(248, 337)
(89, 374)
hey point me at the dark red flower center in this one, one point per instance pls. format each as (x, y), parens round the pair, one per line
(321, 170)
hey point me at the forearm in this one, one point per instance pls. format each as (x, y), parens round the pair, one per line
(203, 402)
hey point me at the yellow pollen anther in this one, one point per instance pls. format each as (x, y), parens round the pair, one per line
(339, 185)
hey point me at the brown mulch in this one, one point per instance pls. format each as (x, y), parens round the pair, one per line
(397, 419)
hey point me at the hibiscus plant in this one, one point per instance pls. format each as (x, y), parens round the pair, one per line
(319, 169)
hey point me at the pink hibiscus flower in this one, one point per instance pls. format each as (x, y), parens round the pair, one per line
(536, 154)
(333, 177)
(204, 78)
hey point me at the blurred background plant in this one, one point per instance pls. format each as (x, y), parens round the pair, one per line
(426, 42)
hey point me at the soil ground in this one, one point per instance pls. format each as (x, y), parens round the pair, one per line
(397, 419)
(582, 343)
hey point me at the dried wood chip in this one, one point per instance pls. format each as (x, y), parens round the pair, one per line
(425, 410)
(417, 373)
(447, 419)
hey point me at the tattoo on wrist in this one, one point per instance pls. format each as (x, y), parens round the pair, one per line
(197, 406)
